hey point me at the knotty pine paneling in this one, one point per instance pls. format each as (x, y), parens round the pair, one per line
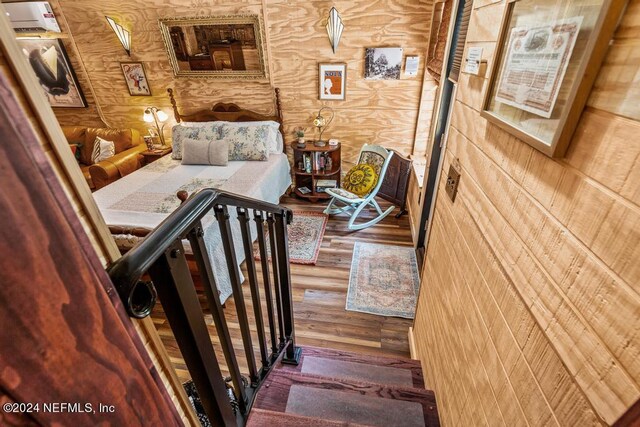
(381, 112)
(529, 307)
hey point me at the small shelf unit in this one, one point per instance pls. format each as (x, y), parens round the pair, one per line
(302, 178)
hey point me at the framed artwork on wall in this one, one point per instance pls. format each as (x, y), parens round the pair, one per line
(382, 63)
(332, 81)
(547, 57)
(50, 63)
(136, 78)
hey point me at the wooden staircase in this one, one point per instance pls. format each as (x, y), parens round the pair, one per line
(337, 388)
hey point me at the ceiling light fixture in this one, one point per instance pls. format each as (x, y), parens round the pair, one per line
(123, 34)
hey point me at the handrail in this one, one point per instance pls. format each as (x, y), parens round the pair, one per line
(161, 255)
(139, 297)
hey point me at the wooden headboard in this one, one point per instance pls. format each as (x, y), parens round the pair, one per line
(227, 112)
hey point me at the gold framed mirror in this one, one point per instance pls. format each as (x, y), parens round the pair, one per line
(227, 47)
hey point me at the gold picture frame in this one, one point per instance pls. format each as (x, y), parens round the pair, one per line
(545, 66)
(220, 47)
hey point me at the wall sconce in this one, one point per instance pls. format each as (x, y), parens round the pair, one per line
(157, 116)
(123, 35)
(334, 28)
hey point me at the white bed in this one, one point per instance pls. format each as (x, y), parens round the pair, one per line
(143, 199)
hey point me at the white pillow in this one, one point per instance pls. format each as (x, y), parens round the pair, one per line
(102, 150)
(275, 142)
(200, 124)
(208, 132)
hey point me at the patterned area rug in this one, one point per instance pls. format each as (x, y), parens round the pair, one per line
(384, 280)
(192, 393)
(305, 237)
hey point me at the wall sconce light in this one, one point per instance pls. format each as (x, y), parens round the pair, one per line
(123, 34)
(157, 116)
(334, 28)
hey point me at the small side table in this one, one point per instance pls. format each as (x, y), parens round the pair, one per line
(151, 156)
(308, 179)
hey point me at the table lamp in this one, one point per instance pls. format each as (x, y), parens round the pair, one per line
(157, 116)
(321, 123)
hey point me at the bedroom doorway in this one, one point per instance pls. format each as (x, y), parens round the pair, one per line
(442, 115)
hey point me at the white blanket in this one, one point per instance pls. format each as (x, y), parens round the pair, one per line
(146, 197)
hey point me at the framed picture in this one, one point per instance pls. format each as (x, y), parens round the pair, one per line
(547, 57)
(383, 63)
(332, 81)
(136, 78)
(50, 63)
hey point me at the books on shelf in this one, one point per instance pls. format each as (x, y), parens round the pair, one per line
(316, 162)
(323, 184)
(304, 190)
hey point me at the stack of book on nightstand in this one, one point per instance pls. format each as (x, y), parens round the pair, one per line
(323, 184)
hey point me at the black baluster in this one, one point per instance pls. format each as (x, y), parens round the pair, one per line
(234, 275)
(172, 278)
(200, 253)
(293, 353)
(245, 228)
(276, 275)
(264, 255)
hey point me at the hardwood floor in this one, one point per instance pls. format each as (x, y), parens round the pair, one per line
(319, 295)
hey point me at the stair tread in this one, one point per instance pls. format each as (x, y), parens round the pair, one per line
(339, 400)
(347, 365)
(266, 418)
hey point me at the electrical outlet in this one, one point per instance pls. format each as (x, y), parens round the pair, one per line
(453, 179)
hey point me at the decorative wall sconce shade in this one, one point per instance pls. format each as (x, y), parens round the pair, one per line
(334, 28)
(157, 116)
(123, 34)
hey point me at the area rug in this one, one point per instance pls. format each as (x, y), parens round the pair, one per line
(305, 237)
(192, 393)
(384, 280)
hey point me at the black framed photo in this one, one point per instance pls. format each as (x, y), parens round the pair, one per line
(50, 63)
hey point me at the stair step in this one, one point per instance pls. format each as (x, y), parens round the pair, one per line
(347, 400)
(264, 418)
(338, 364)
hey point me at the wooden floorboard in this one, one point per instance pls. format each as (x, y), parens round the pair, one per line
(319, 296)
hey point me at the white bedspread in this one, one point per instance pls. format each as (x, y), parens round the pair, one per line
(147, 196)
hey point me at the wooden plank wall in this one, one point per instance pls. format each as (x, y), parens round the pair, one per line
(530, 299)
(80, 211)
(384, 112)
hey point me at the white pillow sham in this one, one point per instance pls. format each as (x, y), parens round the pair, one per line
(275, 141)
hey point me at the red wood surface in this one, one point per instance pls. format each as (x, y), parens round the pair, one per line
(64, 335)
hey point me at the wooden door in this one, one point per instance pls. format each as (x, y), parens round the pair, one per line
(66, 344)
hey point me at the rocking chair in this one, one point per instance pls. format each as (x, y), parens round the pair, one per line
(352, 204)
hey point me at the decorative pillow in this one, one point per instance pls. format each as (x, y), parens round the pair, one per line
(246, 142)
(75, 149)
(102, 150)
(207, 133)
(275, 141)
(195, 152)
(360, 180)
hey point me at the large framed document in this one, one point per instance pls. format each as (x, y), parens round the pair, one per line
(548, 54)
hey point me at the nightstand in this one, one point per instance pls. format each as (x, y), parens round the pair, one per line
(151, 156)
(310, 168)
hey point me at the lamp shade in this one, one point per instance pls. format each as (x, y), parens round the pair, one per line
(148, 116)
(123, 34)
(334, 28)
(162, 116)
